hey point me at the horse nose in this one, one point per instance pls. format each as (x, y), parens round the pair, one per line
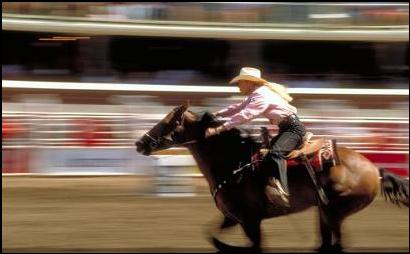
(138, 144)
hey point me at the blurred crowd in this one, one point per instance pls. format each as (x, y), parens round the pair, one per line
(30, 55)
(356, 14)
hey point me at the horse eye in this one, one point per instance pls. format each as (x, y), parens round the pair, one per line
(153, 144)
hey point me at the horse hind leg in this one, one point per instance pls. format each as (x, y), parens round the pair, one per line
(336, 228)
(330, 229)
(325, 232)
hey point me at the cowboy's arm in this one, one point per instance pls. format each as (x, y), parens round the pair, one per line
(232, 109)
(254, 108)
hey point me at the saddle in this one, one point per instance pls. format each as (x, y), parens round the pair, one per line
(307, 147)
(320, 152)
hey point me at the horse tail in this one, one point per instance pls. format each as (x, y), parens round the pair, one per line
(394, 188)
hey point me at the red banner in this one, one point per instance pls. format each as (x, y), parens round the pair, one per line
(396, 163)
(15, 160)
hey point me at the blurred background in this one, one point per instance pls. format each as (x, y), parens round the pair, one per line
(82, 81)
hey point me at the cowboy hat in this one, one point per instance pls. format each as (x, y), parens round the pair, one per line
(248, 73)
(253, 74)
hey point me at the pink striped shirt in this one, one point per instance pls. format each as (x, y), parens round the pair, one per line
(262, 101)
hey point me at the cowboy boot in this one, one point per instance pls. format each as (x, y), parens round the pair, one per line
(276, 191)
(283, 176)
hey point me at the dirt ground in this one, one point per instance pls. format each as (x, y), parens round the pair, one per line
(116, 214)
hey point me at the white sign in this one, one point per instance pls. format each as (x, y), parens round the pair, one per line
(91, 161)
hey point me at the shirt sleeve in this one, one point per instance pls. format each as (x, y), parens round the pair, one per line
(255, 106)
(232, 109)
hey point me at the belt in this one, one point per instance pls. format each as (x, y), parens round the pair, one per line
(288, 121)
(293, 116)
(284, 119)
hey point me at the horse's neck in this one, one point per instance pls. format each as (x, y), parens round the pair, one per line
(204, 164)
(211, 161)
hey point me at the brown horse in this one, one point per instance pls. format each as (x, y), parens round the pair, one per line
(350, 186)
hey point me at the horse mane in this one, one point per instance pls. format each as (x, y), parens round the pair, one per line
(235, 137)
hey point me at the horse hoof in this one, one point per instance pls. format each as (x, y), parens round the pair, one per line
(220, 246)
(324, 249)
(336, 248)
(256, 250)
(226, 248)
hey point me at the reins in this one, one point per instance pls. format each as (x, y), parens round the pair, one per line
(223, 183)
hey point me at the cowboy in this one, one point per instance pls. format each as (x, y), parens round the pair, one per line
(272, 101)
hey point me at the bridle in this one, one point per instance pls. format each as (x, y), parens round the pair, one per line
(156, 142)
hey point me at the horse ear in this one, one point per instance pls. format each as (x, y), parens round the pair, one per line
(182, 108)
(185, 106)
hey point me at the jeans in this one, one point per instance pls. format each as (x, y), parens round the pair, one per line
(290, 137)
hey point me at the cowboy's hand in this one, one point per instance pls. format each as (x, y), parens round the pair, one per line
(210, 132)
(293, 154)
(213, 131)
(264, 152)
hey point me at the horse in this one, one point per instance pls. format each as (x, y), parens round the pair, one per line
(350, 186)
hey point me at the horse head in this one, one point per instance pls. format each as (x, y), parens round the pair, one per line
(173, 130)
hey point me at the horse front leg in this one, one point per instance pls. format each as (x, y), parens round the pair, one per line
(225, 224)
(252, 229)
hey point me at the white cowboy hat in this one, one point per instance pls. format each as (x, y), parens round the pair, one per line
(248, 73)
(253, 74)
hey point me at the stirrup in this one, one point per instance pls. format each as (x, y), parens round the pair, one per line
(276, 194)
(275, 183)
(275, 197)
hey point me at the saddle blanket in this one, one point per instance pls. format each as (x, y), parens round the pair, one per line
(321, 160)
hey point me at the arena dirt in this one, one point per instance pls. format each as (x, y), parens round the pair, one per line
(120, 214)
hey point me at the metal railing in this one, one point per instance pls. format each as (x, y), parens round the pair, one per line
(89, 130)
